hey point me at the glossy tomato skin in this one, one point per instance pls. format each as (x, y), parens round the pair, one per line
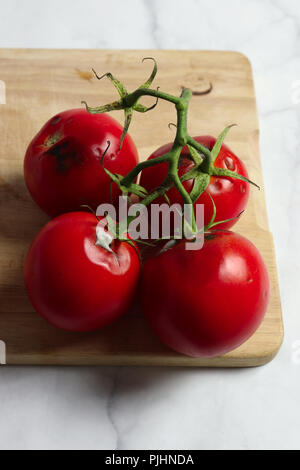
(205, 303)
(75, 284)
(230, 195)
(62, 164)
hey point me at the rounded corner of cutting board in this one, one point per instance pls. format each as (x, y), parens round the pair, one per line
(243, 58)
(269, 354)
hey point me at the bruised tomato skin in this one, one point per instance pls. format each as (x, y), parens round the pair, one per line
(208, 302)
(62, 164)
(75, 284)
(230, 195)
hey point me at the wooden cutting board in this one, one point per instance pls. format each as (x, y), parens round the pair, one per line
(41, 83)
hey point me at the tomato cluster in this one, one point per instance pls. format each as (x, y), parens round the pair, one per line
(78, 277)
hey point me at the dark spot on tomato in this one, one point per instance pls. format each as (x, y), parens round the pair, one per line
(55, 120)
(69, 120)
(67, 153)
(230, 163)
(242, 188)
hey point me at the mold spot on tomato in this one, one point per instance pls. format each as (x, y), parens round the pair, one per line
(52, 139)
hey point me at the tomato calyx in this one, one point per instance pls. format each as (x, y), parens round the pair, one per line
(125, 103)
(205, 167)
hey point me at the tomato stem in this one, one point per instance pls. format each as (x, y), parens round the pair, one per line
(203, 157)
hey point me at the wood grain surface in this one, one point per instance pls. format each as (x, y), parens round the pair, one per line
(41, 83)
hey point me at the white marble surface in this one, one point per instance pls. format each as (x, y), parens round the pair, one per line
(127, 408)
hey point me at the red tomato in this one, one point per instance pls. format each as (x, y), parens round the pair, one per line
(75, 284)
(62, 164)
(206, 302)
(230, 195)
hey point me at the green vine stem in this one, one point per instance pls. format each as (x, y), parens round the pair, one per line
(203, 157)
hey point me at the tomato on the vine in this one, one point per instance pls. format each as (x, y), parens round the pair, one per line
(62, 165)
(230, 195)
(75, 283)
(207, 302)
